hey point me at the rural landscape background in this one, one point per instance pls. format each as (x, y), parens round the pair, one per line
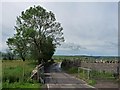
(74, 43)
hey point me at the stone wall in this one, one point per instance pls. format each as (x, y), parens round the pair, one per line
(99, 65)
(109, 67)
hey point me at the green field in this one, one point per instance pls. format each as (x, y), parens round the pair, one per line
(83, 57)
(16, 74)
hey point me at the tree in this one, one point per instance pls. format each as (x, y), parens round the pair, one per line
(18, 45)
(9, 54)
(38, 32)
(48, 49)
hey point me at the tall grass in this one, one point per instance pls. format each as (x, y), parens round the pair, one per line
(16, 73)
(0, 74)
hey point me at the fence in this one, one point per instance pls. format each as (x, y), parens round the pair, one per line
(83, 72)
(38, 73)
(87, 73)
(100, 70)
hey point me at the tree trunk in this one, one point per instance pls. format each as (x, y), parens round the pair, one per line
(23, 69)
(39, 60)
(23, 72)
(23, 58)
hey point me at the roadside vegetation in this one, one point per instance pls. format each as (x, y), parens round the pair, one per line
(57, 61)
(37, 35)
(90, 78)
(74, 71)
(16, 74)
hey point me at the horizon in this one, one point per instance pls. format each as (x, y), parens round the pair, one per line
(88, 55)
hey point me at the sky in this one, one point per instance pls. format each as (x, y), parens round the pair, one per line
(90, 28)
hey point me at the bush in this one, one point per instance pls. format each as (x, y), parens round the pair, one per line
(73, 70)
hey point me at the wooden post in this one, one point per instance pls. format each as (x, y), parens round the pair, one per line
(88, 74)
(41, 74)
(38, 74)
(83, 73)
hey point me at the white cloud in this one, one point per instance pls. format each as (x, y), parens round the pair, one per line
(60, 0)
(87, 24)
(0, 27)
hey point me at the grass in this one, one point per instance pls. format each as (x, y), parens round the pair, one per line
(0, 74)
(58, 61)
(74, 71)
(101, 75)
(83, 74)
(91, 82)
(21, 85)
(16, 74)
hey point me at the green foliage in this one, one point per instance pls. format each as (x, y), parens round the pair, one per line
(58, 61)
(83, 74)
(82, 57)
(37, 34)
(21, 85)
(101, 75)
(73, 70)
(8, 55)
(12, 74)
(91, 82)
(18, 45)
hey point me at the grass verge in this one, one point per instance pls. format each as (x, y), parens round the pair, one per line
(93, 77)
(16, 74)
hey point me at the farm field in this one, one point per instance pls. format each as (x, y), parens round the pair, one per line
(83, 57)
(16, 74)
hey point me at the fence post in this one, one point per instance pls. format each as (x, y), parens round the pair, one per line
(83, 72)
(78, 71)
(38, 74)
(88, 74)
(42, 74)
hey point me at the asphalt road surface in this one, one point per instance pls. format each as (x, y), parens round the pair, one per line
(56, 79)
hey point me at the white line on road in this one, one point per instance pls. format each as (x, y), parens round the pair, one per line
(48, 86)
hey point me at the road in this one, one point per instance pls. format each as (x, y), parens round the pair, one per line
(57, 79)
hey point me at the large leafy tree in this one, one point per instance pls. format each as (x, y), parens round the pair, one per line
(18, 45)
(38, 33)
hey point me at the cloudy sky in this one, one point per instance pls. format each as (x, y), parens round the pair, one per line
(90, 28)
